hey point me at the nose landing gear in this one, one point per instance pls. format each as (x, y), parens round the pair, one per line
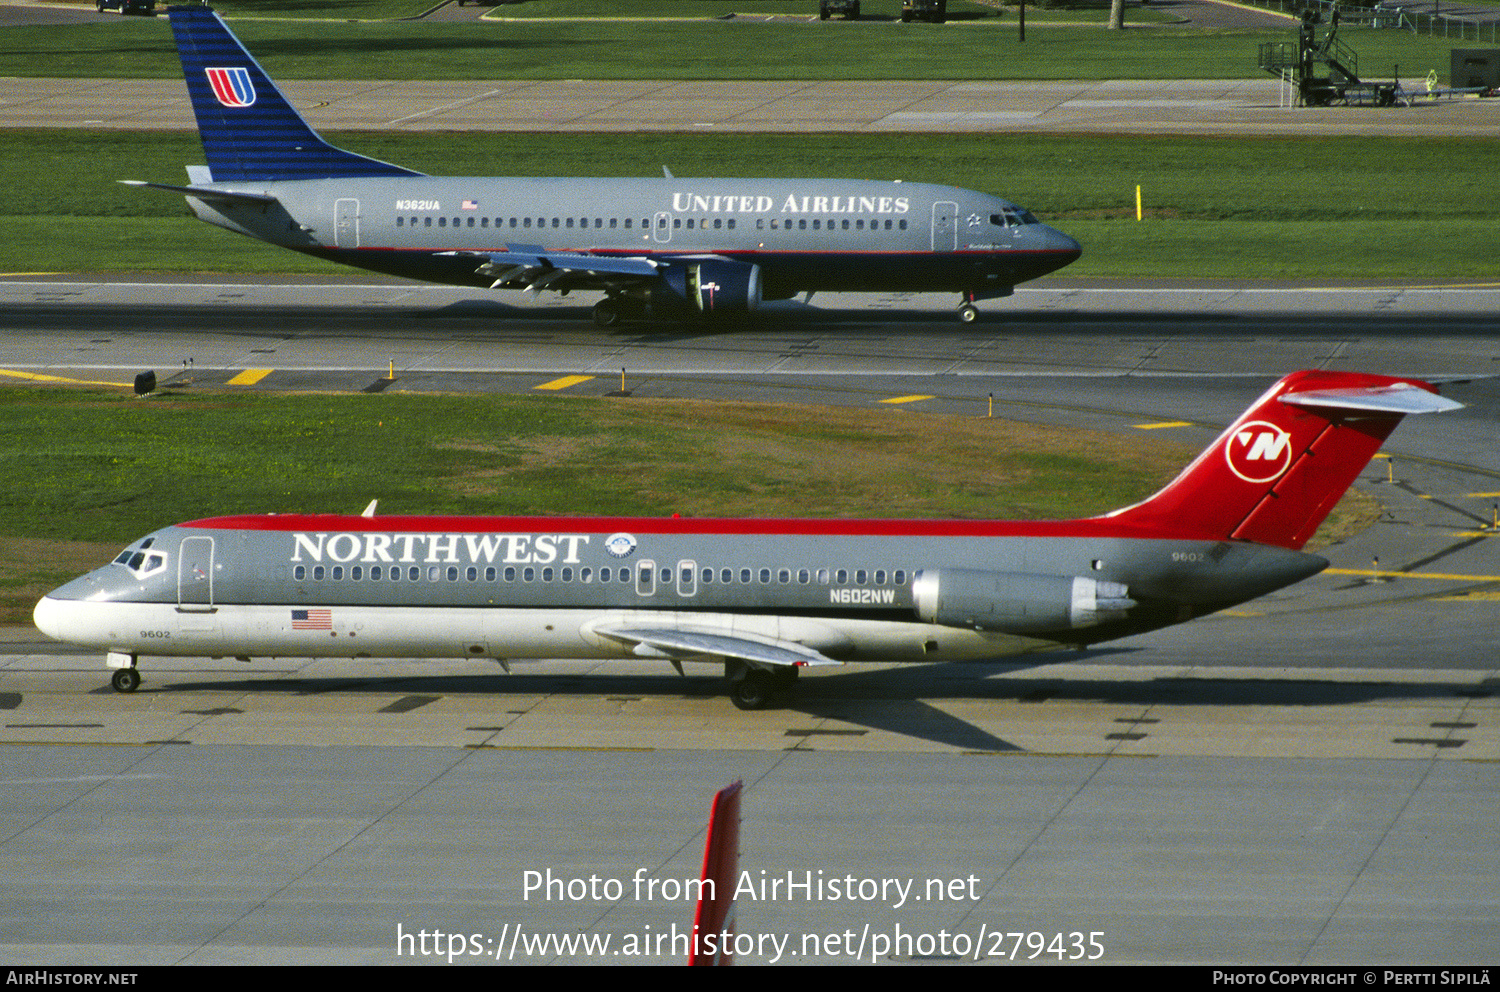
(126, 677)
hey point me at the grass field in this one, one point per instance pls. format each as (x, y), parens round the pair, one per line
(104, 468)
(1216, 207)
(532, 49)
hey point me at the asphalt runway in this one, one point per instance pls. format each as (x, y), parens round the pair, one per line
(1309, 780)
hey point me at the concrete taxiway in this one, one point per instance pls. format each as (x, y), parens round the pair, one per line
(1307, 780)
(1223, 107)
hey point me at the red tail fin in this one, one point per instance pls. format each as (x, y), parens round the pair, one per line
(1275, 474)
(713, 926)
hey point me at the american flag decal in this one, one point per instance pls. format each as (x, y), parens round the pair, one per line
(470, 205)
(232, 86)
(312, 619)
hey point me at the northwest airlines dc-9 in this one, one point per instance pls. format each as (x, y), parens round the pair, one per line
(764, 598)
(655, 247)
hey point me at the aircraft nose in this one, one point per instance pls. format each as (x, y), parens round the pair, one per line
(1065, 247)
(48, 617)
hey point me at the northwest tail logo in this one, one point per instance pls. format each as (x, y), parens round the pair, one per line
(1258, 452)
(232, 86)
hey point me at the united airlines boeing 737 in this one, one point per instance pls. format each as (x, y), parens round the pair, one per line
(653, 246)
(763, 597)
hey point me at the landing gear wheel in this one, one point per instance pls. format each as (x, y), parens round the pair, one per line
(125, 680)
(754, 691)
(606, 313)
(968, 313)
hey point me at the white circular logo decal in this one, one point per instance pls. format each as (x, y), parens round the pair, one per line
(620, 545)
(1258, 452)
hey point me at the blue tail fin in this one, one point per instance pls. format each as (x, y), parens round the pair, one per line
(249, 130)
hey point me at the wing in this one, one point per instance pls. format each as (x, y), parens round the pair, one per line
(685, 642)
(534, 268)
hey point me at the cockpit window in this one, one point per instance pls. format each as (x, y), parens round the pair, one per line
(1013, 217)
(141, 560)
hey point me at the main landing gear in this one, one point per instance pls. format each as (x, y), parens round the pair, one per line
(968, 312)
(609, 312)
(756, 688)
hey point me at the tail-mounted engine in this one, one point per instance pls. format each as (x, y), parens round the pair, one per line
(1016, 602)
(710, 285)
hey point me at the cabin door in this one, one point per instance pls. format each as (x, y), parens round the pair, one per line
(346, 223)
(195, 575)
(944, 226)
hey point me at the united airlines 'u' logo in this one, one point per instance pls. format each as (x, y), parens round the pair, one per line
(232, 86)
(1258, 451)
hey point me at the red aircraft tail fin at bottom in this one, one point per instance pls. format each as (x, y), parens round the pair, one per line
(713, 926)
(1278, 470)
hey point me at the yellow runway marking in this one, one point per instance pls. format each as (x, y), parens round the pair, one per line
(906, 399)
(1157, 427)
(38, 377)
(1481, 495)
(249, 377)
(1439, 576)
(564, 382)
(1471, 596)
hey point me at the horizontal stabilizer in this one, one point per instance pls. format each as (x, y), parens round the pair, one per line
(1401, 397)
(677, 642)
(201, 193)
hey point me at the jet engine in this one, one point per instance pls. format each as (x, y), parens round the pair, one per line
(1016, 602)
(710, 285)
